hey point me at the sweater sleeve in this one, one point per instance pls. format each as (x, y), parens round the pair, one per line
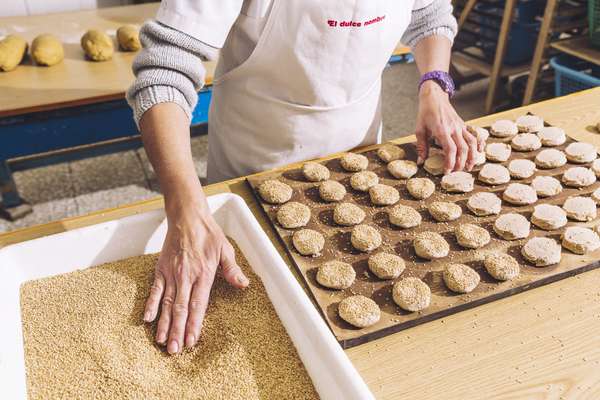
(430, 18)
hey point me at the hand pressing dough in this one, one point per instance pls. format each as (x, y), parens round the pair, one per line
(552, 136)
(529, 123)
(458, 182)
(581, 152)
(546, 186)
(420, 188)
(386, 265)
(541, 251)
(47, 50)
(471, 236)
(494, 174)
(365, 238)
(308, 242)
(550, 158)
(293, 215)
(353, 162)
(460, 278)
(504, 128)
(443, 211)
(402, 169)
(275, 192)
(521, 168)
(580, 208)
(315, 172)
(430, 245)
(336, 275)
(580, 240)
(390, 152)
(364, 180)
(596, 167)
(97, 45)
(348, 214)
(484, 203)
(359, 311)
(128, 37)
(548, 217)
(404, 217)
(526, 142)
(579, 177)
(384, 195)
(411, 294)
(332, 191)
(434, 164)
(497, 152)
(501, 266)
(12, 51)
(519, 194)
(512, 226)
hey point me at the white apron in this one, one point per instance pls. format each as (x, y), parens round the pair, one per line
(311, 86)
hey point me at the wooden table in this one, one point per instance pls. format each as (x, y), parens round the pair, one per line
(540, 344)
(579, 47)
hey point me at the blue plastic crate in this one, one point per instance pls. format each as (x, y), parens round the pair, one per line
(573, 74)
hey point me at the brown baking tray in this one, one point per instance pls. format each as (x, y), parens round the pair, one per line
(396, 240)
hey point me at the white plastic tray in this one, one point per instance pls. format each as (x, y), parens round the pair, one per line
(333, 376)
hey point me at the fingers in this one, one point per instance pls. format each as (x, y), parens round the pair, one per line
(472, 149)
(162, 329)
(422, 145)
(197, 310)
(449, 148)
(462, 149)
(231, 271)
(179, 316)
(153, 302)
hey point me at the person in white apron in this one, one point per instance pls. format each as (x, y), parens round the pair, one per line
(295, 80)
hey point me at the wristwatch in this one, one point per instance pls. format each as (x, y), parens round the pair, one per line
(442, 78)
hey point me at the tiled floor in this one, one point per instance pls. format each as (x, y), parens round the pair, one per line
(79, 187)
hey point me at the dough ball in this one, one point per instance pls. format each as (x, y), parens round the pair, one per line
(546, 186)
(541, 251)
(550, 158)
(497, 152)
(97, 45)
(596, 167)
(430, 245)
(411, 294)
(460, 278)
(348, 214)
(434, 164)
(275, 192)
(580, 152)
(471, 236)
(315, 172)
(580, 240)
(332, 191)
(529, 123)
(47, 50)
(336, 275)
(458, 182)
(494, 174)
(504, 128)
(365, 238)
(484, 203)
(353, 162)
(579, 177)
(526, 142)
(359, 311)
(12, 51)
(519, 194)
(364, 180)
(404, 217)
(501, 266)
(402, 169)
(548, 217)
(390, 152)
(293, 215)
(384, 195)
(443, 211)
(128, 37)
(512, 226)
(580, 208)
(308, 242)
(521, 168)
(552, 136)
(386, 265)
(420, 188)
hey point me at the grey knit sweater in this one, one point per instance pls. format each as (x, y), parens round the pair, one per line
(169, 68)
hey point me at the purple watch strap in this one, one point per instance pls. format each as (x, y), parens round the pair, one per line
(442, 78)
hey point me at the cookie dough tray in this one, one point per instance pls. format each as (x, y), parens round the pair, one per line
(399, 241)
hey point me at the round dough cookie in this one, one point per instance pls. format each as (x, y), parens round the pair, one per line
(529, 123)
(364, 180)
(552, 136)
(420, 188)
(480, 158)
(525, 142)
(47, 50)
(504, 128)
(348, 214)
(353, 162)
(519, 194)
(548, 217)
(128, 37)
(596, 167)
(430, 245)
(460, 278)
(581, 152)
(315, 172)
(501, 266)
(579, 177)
(434, 164)
(365, 238)
(359, 311)
(402, 169)
(404, 216)
(481, 134)
(458, 182)
(411, 294)
(336, 275)
(580, 208)
(484, 203)
(443, 211)
(386, 265)
(390, 152)
(275, 192)
(494, 174)
(12, 51)
(521, 168)
(332, 191)
(512, 226)
(550, 158)
(497, 152)
(471, 236)
(97, 45)
(541, 251)
(546, 186)
(293, 215)
(580, 240)
(384, 195)
(308, 242)
(596, 195)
